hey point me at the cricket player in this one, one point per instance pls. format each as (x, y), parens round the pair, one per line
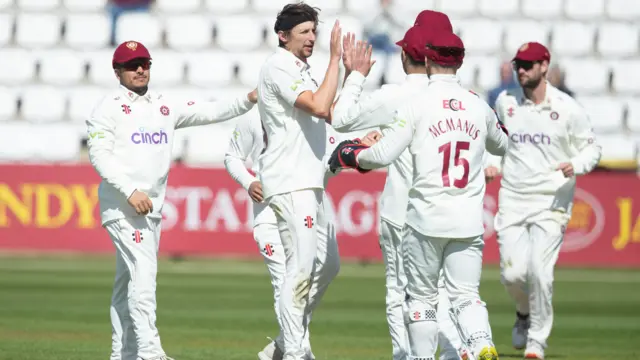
(293, 109)
(130, 141)
(551, 142)
(247, 143)
(446, 129)
(351, 112)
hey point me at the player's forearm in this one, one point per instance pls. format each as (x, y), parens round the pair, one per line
(238, 171)
(498, 146)
(347, 110)
(109, 169)
(206, 113)
(326, 93)
(587, 159)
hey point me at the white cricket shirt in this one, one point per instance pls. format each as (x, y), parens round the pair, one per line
(296, 140)
(130, 143)
(378, 110)
(540, 138)
(447, 130)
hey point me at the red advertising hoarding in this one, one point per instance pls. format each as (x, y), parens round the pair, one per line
(55, 208)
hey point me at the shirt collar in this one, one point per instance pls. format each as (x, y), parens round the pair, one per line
(417, 77)
(132, 96)
(545, 104)
(450, 78)
(289, 56)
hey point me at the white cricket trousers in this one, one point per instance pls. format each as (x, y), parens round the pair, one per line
(310, 265)
(461, 262)
(391, 246)
(133, 302)
(528, 253)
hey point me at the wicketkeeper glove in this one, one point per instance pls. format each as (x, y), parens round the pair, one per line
(345, 156)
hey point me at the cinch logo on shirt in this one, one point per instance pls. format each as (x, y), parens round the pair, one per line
(536, 139)
(143, 137)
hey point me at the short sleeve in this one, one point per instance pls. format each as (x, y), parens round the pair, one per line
(288, 82)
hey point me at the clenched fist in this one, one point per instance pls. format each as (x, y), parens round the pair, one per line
(255, 191)
(140, 202)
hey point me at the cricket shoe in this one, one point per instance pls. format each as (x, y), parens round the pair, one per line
(519, 332)
(488, 353)
(534, 351)
(271, 352)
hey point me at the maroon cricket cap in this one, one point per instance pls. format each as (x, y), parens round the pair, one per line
(445, 48)
(413, 43)
(532, 51)
(434, 21)
(128, 51)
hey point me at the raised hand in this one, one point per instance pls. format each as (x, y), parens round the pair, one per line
(335, 49)
(348, 43)
(361, 58)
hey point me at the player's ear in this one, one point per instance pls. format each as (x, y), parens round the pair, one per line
(544, 67)
(283, 37)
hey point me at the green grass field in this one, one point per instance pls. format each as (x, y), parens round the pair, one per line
(57, 308)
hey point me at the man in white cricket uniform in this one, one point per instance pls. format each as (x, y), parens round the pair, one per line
(446, 129)
(292, 110)
(130, 142)
(551, 142)
(354, 113)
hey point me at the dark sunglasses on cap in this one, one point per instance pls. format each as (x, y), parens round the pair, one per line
(523, 64)
(133, 65)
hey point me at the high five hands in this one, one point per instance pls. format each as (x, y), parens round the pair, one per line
(356, 55)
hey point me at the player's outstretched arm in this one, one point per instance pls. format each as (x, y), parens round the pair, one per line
(240, 147)
(349, 112)
(100, 127)
(584, 140)
(395, 139)
(195, 113)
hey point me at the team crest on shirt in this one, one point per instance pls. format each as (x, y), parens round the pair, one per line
(191, 103)
(510, 111)
(164, 110)
(554, 115)
(332, 140)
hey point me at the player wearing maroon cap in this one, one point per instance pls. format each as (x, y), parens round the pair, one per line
(351, 113)
(444, 219)
(551, 143)
(130, 142)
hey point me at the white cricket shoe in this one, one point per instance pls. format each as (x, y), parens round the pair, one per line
(534, 351)
(271, 352)
(519, 332)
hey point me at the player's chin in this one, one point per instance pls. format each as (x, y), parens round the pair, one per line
(307, 51)
(141, 82)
